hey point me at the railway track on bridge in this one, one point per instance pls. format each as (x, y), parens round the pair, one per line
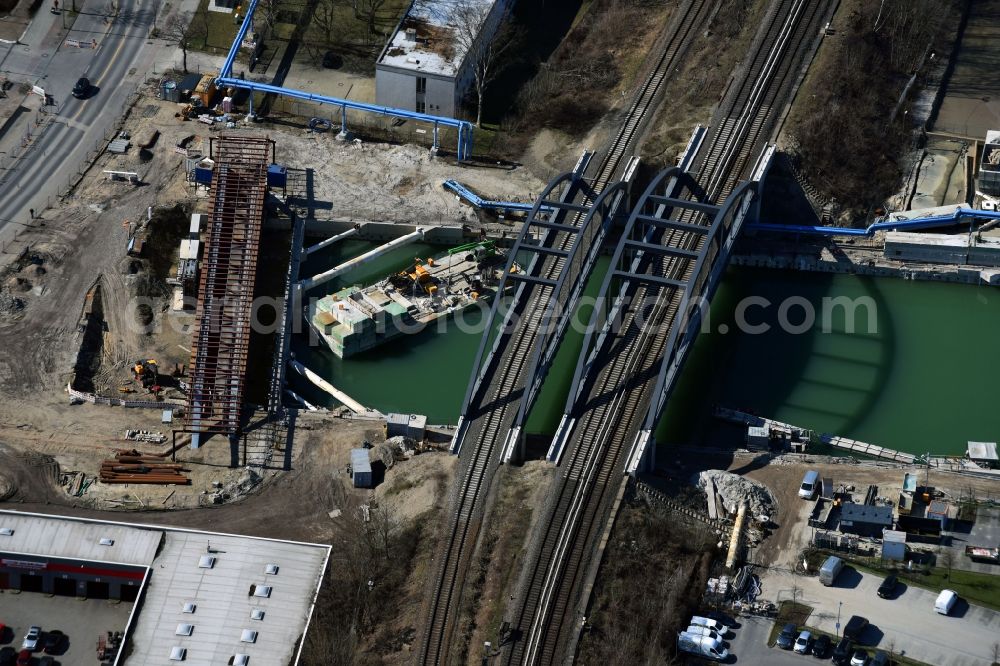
(551, 598)
(499, 401)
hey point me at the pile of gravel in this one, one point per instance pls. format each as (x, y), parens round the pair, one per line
(734, 489)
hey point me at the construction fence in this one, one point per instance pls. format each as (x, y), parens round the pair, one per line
(95, 399)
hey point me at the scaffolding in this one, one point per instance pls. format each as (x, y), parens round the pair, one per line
(226, 286)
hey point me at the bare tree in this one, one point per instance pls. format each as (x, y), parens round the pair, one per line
(483, 48)
(324, 25)
(367, 11)
(269, 10)
(181, 30)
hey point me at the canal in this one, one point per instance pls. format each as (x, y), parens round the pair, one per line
(907, 365)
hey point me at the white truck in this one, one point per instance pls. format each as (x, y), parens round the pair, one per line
(703, 646)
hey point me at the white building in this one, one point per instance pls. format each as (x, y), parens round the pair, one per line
(424, 66)
(204, 598)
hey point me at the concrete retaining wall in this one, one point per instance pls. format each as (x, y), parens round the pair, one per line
(955, 274)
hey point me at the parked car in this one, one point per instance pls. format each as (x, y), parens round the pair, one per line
(881, 658)
(7, 656)
(31, 638)
(53, 641)
(821, 646)
(860, 658)
(842, 653)
(24, 658)
(802, 642)
(787, 636)
(82, 87)
(887, 589)
(945, 601)
(855, 627)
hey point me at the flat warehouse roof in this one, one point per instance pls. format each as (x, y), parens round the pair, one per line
(220, 592)
(33, 534)
(237, 594)
(438, 23)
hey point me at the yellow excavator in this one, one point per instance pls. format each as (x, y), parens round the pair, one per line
(146, 372)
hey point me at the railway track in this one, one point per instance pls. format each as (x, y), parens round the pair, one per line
(550, 607)
(500, 400)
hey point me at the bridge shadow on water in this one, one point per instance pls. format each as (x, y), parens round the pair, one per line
(828, 378)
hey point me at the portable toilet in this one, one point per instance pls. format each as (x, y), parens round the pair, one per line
(361, 468)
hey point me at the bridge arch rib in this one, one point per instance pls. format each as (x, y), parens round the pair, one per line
(711, 262)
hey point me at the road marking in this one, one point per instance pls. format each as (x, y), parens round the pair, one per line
(104, 70)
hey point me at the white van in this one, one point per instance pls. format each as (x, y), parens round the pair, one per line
(810, 484)
(830, 570)
(695, 630)
(714, 625)
(701, 646)
(945, 601)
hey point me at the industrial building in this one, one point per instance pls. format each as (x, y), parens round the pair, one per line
(977, 249)
(425, 66)
(413, 426)
(865, 519)
(199, 597)
(983, 453)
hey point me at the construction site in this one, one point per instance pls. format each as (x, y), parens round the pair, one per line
(216, 325)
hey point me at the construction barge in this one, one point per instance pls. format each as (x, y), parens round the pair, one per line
(356, 319)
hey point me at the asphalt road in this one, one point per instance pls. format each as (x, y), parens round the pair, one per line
(908, 622)
(114, 69)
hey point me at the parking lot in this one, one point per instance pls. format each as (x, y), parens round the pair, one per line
(907, 622)
(748, 645)
(82, 620)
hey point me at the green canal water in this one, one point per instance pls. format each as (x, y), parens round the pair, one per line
(913, 369)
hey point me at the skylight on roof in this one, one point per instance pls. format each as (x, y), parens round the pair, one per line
(107, 541)
(271, 569)
(178, 653)
(248, 636)
(184, 629)
(190, 607)
(257, 614)
(7, 531)
(240, 660)
(262, 591)
(206, 562)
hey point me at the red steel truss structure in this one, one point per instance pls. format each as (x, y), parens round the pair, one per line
(225, 292)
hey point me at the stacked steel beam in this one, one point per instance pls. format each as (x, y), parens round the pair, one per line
(131, 466)
(225, 292)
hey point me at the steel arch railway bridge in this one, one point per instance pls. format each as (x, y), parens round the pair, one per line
(673, 250)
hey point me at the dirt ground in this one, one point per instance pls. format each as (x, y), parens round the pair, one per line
(319, 467)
